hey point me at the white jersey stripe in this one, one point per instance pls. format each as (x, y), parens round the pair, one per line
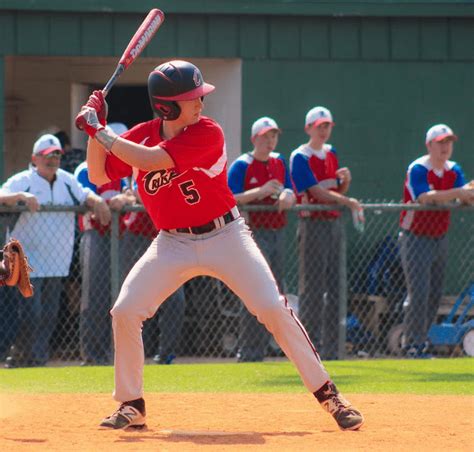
(215, 169)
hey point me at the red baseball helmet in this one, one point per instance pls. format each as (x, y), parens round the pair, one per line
(172, 81)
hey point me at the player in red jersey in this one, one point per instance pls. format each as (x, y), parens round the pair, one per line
(262, 177)
(182, 181)
(431, 179)
(318, 179)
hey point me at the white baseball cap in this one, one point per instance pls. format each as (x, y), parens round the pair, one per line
(263, 125)
(46, 144)
(438, 132)
(117, 127)
(318, 115)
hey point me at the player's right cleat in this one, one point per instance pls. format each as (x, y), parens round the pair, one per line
(346, 416)
(130, 414)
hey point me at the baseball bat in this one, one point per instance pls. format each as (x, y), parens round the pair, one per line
(139, 41)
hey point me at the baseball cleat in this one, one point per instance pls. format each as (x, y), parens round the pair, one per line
(346, 416)
(127, 416)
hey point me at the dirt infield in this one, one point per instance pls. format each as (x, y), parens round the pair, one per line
(270, 422)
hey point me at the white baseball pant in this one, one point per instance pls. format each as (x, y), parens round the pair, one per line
(229, 254)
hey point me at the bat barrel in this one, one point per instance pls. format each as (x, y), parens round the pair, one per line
(143, 36)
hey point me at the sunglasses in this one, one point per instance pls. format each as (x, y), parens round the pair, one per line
(53, 154)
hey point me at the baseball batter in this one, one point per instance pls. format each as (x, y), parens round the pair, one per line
(182, 181)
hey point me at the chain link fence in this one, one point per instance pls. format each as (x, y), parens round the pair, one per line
(364, 291)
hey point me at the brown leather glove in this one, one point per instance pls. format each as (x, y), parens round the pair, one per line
(14, 268)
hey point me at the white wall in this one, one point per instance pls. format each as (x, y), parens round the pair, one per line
(47, 91)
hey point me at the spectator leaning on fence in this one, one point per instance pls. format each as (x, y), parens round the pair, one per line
(48, 239)
(95, 324)
(261, 177)
(430, 179)
(319, 180)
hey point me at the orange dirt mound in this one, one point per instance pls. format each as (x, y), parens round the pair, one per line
(270, 422)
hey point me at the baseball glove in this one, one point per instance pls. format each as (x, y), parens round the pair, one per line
(14, 268)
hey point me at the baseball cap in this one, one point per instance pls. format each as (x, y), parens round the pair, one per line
(46, 144)
(318, 115)
(263, 125)
(117, 127)
(438, 132)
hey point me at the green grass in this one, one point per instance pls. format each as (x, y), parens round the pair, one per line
(439, 376)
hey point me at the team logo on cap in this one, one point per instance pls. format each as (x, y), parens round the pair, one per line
(196, 78)
(154, 180)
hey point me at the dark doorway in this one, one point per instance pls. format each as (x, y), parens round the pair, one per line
(128, 104)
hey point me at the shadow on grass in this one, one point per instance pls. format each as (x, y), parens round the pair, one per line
(281, 380)
(374, 375)
(403, 372)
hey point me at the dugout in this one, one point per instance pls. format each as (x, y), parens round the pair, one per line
(388, 70)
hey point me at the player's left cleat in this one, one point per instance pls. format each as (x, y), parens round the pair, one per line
(129, 415)
(346, 416)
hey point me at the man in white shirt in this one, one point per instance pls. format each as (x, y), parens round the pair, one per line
(48, 239)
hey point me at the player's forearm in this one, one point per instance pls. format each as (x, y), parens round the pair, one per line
(247, 196)
(96, 156)
(139, 156)
(329, 196)
(92, 200)
(440, 196)
(10, 199)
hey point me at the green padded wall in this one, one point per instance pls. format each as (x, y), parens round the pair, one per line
(381, 110)
(2, 116)
(386, 79)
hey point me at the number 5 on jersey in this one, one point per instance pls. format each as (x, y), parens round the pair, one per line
(190, 193)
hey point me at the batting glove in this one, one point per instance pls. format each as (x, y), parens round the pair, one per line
(99, 104)
(88, 121)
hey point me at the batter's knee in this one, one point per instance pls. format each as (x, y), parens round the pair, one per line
(123, 309)
(119, 314)
(127, 310)
(267, 312)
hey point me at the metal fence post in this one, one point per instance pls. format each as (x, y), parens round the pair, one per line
(114, 257)
(342, 317)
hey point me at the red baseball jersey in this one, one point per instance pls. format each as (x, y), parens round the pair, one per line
(421, 178)
(247, 173)
(308, 168)
(195, 190)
